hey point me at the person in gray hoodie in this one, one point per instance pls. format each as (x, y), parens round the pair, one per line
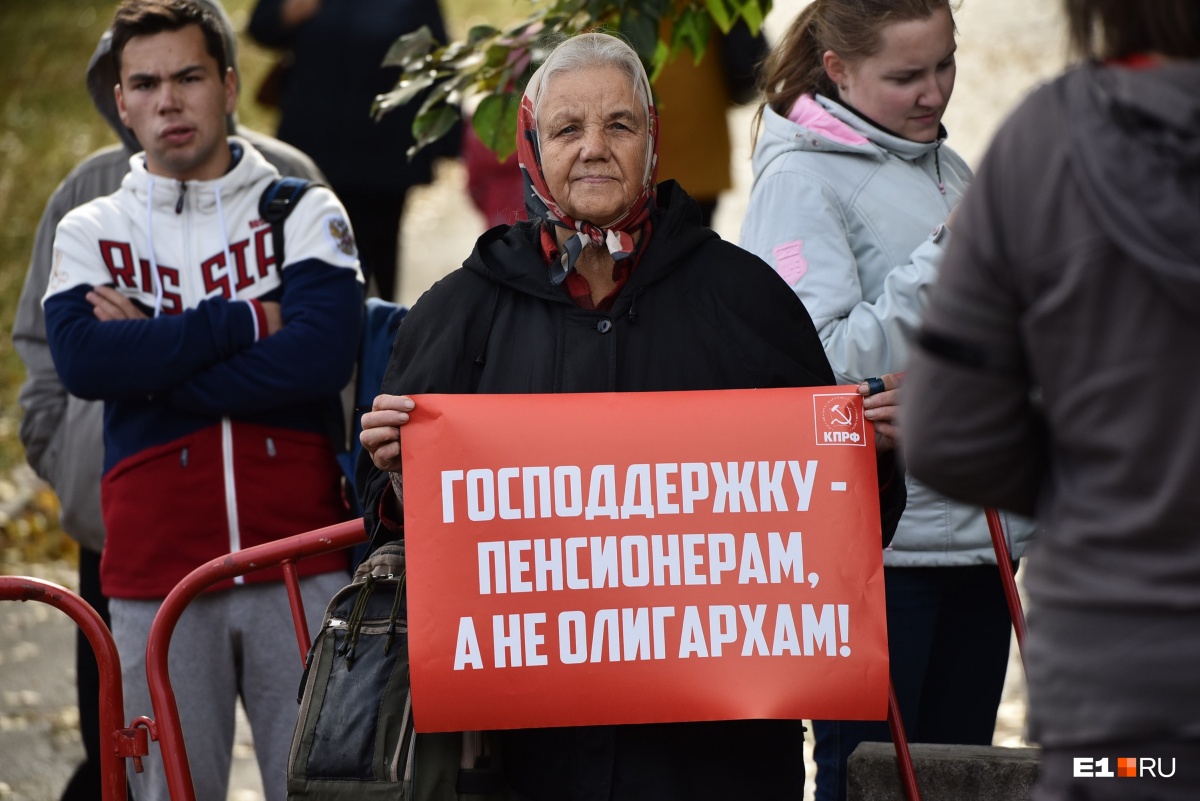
(62, 434)
(1051, 377)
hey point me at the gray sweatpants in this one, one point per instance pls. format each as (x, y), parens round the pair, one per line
(236, 642)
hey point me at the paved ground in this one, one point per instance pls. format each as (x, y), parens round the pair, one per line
(1005, 47)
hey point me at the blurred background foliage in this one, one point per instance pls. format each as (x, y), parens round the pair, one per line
(493, 63)
(47, 125)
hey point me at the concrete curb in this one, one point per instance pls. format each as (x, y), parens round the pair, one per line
(944, 772)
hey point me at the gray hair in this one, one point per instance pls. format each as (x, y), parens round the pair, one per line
(590, 51)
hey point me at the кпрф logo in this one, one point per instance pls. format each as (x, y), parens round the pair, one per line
(839, 419)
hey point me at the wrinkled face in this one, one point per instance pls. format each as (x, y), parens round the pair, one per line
(593, 136)
(906, 85)
(174, 99)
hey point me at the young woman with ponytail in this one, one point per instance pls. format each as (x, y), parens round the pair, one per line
(853, 188)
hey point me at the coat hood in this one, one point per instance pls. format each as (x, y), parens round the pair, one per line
(249, 168)
(511, 255)
(820, 125)
(1135, 149)
(102, 76)
(146, 195)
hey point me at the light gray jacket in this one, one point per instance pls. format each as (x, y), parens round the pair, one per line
(62, 434)
(850, 215)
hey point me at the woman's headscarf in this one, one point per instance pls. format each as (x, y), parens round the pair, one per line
(617, 236)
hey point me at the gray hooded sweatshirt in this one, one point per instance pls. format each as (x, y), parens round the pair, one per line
(63, 435)
(1054, 376)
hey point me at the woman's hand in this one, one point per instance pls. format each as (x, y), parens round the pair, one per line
(882, 407)
(381, 430)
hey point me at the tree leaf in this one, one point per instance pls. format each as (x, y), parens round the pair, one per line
(432, 126)
(691, 29)
(495, 123)
(662, 54)
(596, 10)
(754, 15)
(720, 14)
(480, 32)
(658, 8)
(409, 47)
(641, 30)
(406, 89)
(444, 91)
(496, 55)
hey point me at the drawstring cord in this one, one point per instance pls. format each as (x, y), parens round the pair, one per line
(354, 623)
(391, 629)
(225, 240)
(158, 288)
(359, 612)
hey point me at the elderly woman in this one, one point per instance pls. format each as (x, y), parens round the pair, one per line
(612, 286)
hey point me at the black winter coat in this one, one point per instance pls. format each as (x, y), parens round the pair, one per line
(698, 313)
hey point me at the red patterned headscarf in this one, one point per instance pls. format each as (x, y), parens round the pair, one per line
(617, 237)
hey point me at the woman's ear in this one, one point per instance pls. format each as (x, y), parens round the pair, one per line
(835, 68)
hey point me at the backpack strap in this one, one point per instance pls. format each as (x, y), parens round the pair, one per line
(381, 321)
(276, 203)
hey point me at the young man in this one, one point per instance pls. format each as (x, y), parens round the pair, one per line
(53, 418)
(220, 370)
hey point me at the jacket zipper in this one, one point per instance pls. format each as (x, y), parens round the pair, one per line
(231, 515)
(937, 166)
(179, 203)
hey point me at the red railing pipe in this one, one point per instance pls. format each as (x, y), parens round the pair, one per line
(1004, 562)
(113, 735)
(286, 552)
(908, 778)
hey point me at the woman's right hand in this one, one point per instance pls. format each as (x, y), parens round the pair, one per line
(381, 430)
(881, 405)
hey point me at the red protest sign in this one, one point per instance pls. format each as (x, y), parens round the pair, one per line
(707, 556)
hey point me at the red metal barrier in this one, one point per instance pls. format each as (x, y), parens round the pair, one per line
(1004, 560)
(165, 727)
(133, 742)
(1013, 597)
(908, 778)
(116, 741)
(284, 552)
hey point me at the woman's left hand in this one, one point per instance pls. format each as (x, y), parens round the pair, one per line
(381, 430)
(883, 409)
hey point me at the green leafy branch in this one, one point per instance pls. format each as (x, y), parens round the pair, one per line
(495, 64)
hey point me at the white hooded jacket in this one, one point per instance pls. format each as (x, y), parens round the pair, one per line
(57, 424)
